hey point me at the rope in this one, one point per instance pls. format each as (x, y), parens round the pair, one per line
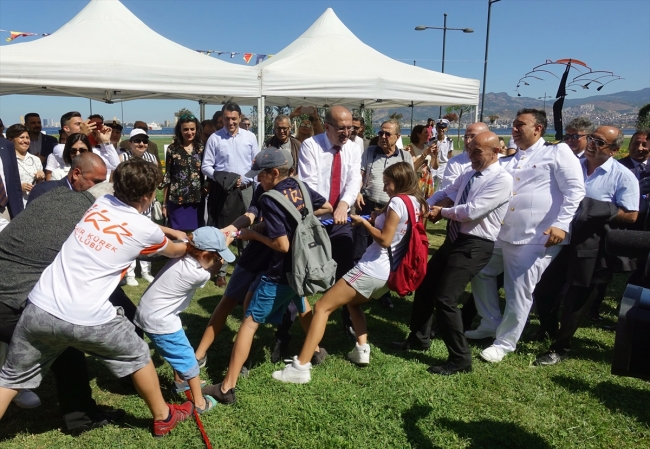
(199, 424)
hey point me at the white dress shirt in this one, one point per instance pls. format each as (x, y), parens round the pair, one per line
(547, 189)
(234, 154)
(486, 204)
(315, 167)
(456, 166)
(109, 155)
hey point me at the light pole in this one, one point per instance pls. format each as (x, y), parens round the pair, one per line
(444, 41)
(544, 97)
(487, 42)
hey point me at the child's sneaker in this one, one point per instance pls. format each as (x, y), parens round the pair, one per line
(147, 277)
(360, 355)
(210, 403)
(177, 413)
(130, 280)
(294, 373)
(215, 391)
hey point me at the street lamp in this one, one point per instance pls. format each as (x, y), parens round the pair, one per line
(487, 41)
(444, 41)
(544, 97)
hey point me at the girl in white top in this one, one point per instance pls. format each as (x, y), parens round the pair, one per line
(30, 167)
(369, 277)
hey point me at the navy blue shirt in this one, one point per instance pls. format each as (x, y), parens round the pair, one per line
(279, 223)
(256, 256)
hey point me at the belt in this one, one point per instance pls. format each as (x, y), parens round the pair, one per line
(245, 186)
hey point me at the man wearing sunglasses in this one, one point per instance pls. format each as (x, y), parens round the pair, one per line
(283, 140)
(616, 193)
(575, 135)
(547, 190)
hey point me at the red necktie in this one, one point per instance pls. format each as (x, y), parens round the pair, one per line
(3, 194)
(335, 181)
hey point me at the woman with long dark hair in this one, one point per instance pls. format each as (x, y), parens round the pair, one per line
(183, 181)
(75, 144)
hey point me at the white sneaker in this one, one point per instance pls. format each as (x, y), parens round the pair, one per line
(360, 355)
(492, 354)
(147, 277)
(27, 399)
(480, 334)
(294, 372)
(130, 280)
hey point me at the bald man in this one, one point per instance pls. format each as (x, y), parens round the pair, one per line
(475, 203)
(86, 170)
(459, 164)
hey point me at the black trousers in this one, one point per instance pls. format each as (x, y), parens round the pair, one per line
(549, 292)
(449, 271)
(69, 369)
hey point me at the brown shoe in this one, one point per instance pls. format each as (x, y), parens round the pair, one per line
(221, 281)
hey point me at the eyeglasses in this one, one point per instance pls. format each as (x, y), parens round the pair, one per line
(245, 124)
(78, 150)
(138, 141)
(598, 143)
(573, 136)
(384, 134)
(306, 124)
(187, 117)
(341, 129)
(282, 128)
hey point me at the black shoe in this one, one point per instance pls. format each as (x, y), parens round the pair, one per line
(407, 346)
(318, 357)
(215, 391)
(550, 358)
(449, 369)
(96, 420)
(385, 302)
(280, 351)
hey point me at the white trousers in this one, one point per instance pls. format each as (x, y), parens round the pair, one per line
(522, 267)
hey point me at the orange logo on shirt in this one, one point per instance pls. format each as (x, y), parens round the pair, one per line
(90, 218)
(124, 232)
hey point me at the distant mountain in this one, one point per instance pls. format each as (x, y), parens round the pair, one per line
(505, 106)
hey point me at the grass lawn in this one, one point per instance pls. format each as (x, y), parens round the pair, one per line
(393, 403)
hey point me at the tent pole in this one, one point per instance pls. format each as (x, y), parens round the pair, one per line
(261, 119)
(202, 109)
(91, 105)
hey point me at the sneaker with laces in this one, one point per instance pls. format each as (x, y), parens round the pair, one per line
(130, 280)
(147, 277)
(26, 399)
(294, 372)
(177, 413)
(492, 354)
(360, 355)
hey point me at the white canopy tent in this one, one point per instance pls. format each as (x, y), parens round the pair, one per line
(73, 61)
(329, 65)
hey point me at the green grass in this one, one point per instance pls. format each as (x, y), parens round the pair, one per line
(393, 403)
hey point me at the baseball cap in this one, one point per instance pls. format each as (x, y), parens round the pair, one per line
(209, 238)
(137, 132)
(269, 158)
(442, 121)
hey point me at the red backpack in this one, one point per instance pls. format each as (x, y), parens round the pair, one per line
(407, 276)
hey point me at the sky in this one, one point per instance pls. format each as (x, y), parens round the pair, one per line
(606, 34)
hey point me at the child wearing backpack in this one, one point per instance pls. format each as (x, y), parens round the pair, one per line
(169, 294)
(273, 294)
(369, 278)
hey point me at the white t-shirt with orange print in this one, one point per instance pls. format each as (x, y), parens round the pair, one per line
(77, 285)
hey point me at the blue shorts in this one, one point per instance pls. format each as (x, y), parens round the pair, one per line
(241, 282)
(270, 300)
(176, 349)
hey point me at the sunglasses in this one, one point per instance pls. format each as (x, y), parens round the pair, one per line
(384, 134)
(306, 124)
(137, 141)
(598, 143)
(282, 128)
(78, 150)
(187, 117)
(573, 136)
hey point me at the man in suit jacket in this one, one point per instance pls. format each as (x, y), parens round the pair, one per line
(639, 153)
(11, 203)
(41, 144)
(86, 170)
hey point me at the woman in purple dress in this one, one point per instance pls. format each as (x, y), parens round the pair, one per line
(183, 181)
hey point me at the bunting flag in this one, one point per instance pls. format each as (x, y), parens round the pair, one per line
(232, 54)
(14, 34)
(259, 59)
(247, 57)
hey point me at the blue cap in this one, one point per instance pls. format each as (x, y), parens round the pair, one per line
(212, 239)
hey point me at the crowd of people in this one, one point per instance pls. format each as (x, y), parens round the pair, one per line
(530, 217)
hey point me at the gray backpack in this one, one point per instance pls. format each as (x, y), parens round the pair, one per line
(313, 270)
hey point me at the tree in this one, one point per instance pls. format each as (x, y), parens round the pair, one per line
(461, 109)
(493, 118)
(183, 111)
(368, 115)
(643, 119)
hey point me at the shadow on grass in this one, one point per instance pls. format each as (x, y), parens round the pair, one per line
(481, 434)
(629, 401)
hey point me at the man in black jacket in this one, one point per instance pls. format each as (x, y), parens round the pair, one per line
(41, 145)
(11, 194)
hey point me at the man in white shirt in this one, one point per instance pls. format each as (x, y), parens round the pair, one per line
(474, 204)
(330, 163)
(358, 132)
(457, 165)
(445, 147)
(547, 189)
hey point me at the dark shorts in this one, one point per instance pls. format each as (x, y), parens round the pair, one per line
(270, 300)
(40, 337)
(241, 282)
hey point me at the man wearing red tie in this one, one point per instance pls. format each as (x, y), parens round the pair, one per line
(330, 163)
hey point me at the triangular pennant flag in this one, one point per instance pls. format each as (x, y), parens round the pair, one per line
(259, 59)
(219, 53)
(247, 57)
(232, 54)
(15, 34)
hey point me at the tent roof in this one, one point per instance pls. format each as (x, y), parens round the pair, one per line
(74, 61)
(328, 64)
